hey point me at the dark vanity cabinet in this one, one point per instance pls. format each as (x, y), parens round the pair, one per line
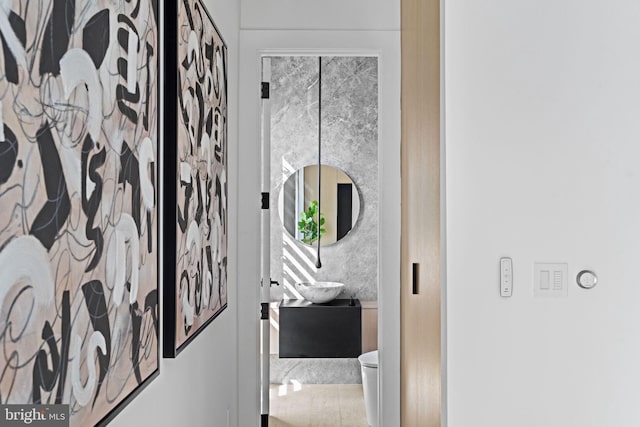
(326, 330)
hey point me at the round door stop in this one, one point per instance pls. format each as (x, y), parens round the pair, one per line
(587, 279)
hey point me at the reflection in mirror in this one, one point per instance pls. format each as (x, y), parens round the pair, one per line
(298, 205)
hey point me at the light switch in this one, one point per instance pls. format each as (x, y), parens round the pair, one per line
(557, 280)
(544, 279)
(550, 279)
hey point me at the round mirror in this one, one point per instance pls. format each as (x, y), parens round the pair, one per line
(298, 205)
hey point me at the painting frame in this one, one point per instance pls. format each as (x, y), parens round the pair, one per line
(177, 65)
(109, 150)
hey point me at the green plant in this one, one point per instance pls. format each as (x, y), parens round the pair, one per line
(308, 224)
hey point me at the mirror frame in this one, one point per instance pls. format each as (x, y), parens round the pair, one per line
(354, 222)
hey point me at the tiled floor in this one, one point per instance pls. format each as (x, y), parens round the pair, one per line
(317, 405)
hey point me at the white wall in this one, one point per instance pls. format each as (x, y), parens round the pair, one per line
(260, 34)
(543, 142)
(320, 15)
(199, 387)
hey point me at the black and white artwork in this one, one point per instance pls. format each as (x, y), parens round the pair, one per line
(196, 280)
(78, 203)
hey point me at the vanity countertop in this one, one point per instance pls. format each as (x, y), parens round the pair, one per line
(299, 303)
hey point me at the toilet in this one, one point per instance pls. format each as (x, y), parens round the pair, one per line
(369, 367)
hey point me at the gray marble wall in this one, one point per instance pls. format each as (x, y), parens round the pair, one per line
(350, 143)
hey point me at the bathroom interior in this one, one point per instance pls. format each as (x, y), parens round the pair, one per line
(323, 110)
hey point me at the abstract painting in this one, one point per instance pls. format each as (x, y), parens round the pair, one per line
(78, 204)
(196, 102)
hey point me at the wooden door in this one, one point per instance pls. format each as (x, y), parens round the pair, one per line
(420, 248)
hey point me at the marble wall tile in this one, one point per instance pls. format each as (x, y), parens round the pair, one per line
(349, 142)
(315, 371)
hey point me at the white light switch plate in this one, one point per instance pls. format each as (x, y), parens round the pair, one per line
(550, 279)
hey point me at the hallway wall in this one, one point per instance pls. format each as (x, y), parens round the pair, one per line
(543, 142)
(199, 387)
(350, 15)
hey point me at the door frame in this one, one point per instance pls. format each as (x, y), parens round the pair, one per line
(254, 44)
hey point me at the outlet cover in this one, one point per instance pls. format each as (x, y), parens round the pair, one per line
(550, 279)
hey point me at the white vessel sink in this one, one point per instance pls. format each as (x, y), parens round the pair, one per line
(319, 292)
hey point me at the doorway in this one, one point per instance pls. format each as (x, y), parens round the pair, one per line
(255, 45)
(316, 104)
